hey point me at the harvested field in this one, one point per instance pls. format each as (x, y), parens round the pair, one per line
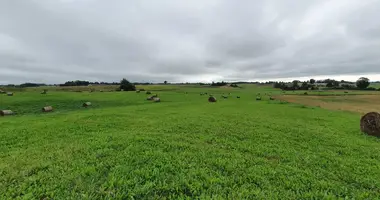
(354, 103)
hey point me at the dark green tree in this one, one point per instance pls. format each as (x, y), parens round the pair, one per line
(329, 84)
(304, 86)
(295, 84)
(336, 83)
(165, 82)
(312, 81)
(362, 82)
(126, 85)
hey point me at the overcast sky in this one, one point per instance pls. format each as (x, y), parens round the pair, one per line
(53, 41)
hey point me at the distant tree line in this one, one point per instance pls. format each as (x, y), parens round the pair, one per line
(32, 84)
(86, 83)
(24, 85)
(361, 84)
(312, 84)
(218, 83)
(222, 84)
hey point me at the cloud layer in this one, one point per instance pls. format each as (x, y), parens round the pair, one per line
(58, 40)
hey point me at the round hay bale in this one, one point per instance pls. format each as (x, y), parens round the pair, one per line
(305, 93)
(258, 98)
(86, 104)
(47, 109)
(211, 99)
(155, 95)
(156, 99)
(205, 93)
(370, 124)
(6, 112)
(238, 97)
(224, 96)
(150, 98)
(10, 94)
(44, 92)
(148, 92)
(201, 94)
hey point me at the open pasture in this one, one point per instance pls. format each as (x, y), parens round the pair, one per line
(125, 147)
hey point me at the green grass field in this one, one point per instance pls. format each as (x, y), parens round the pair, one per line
(125, 147)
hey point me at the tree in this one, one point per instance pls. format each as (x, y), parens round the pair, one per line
(165, 82)
(362, 83)
(336, 83)
(304, 86)
(126, 85)
(280, 85)
(295, 84)
(312, 81)
(329, 84)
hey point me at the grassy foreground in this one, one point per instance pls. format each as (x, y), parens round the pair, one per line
(125, 147)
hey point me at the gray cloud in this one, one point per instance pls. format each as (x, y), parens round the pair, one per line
(57, 40)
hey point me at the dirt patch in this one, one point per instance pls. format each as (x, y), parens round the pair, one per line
(354, 103)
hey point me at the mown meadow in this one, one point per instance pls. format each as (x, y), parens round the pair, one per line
(125, 147)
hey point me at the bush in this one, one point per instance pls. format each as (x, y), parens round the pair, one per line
(125, 85)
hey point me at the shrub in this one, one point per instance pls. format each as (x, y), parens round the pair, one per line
(125, 85)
